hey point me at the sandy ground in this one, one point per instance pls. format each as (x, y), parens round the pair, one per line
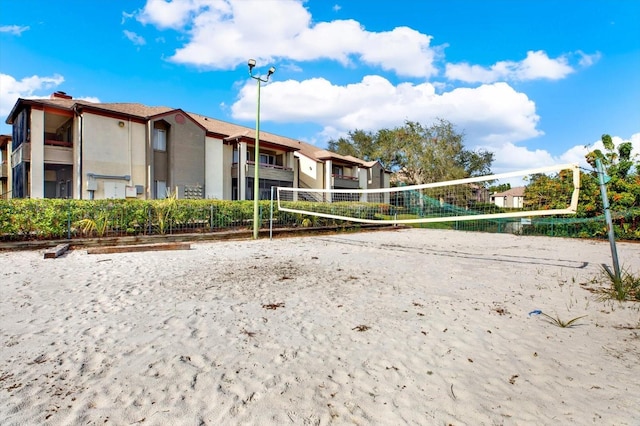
(401, 327)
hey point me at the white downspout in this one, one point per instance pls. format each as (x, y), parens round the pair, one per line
(80, 153)
(150, 187)
(130, 153)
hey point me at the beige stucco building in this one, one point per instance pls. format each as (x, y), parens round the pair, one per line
(324, 169)
(5, 166)
(512, 198)
(67, 148)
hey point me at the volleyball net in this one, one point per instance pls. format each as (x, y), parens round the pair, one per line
(543, 191)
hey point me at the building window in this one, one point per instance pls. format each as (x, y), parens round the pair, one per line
(161, 189)
(69, 133)
(337, 171)
(267, 159)
(265, 187)
(234, 189)
(159, 139)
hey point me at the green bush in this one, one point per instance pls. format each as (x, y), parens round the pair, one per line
(28, 219)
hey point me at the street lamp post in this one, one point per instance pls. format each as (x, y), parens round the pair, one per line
(256, 173)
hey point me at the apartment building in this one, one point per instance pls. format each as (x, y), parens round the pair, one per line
(67, 148)
(5, 166)
(320, 168)
(512, 198)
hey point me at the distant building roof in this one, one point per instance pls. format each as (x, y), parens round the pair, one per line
(4, 140)
(144, 112)
(518, 191)
(226, 130)
(320, 154)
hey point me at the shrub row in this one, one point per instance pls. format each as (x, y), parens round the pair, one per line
(22, 219)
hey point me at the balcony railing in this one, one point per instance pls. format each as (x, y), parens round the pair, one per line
(266, 165)
(267, 171)
(21, 153)
(58, 143)
(345, 177)
(346, 182)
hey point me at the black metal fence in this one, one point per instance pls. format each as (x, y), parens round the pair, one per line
(30, 219)
(44, 219)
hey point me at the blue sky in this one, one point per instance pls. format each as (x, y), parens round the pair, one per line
(532, 81)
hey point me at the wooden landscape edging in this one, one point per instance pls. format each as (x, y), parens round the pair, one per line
(57, 251)
(139, 248)
(87, 242)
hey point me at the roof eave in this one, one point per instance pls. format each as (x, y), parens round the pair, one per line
(177, 111)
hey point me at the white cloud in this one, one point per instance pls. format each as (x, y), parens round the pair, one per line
(537, 65)
(126, 16)
(510, 157)
(169, 14)
(88, 99)
(402, 50)
(489, 115)
(223, 34)
(290, 66)
(135, 38)
(12, 89)
(493, 116)
(13, 29)
(577, 153)
(588, 60)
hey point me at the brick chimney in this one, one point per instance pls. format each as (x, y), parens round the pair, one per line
(60, 95)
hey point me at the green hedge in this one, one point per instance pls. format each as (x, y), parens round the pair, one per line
(22, 219)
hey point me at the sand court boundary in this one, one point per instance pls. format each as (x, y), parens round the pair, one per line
(412, 326)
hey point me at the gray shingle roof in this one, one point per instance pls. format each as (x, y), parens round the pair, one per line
(518, 191)
(225, 129)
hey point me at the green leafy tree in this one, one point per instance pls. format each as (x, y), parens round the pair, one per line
(545, 192)
(500, 188)
(623, 189)
(617, 162)
(430, 154)
(380, 146)
(476, 163)
(416, 153)
(359, 144)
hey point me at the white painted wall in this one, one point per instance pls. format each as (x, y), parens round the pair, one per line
(57, 155)
(310, 172)
(113, 149)
(242, 167)
(296, 168)
(6, 157)
(77, 159)
(363, 182)
(137, 133)
(386, 177)
(363, 177)
(37, 154)
(214, 168)
(509, 201)
(518, 202)
(227, 160)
